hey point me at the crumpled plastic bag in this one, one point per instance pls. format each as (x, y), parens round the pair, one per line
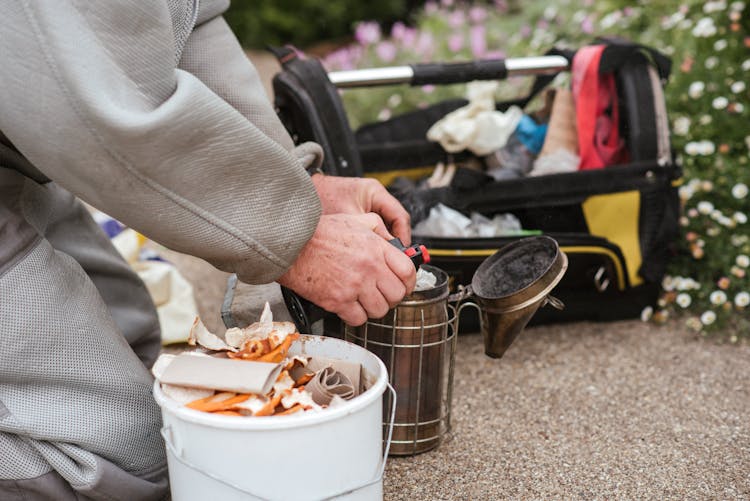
(446, 222)
(478, 126)
(171, 292)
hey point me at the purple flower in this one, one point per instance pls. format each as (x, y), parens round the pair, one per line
(409, 37)
(425, 44)
(477, 14)
(343, 59)
(367, 33)
(335, 60)
(478, 41)
(456, 19)
(455, 42)
(386, 51)
(430, 8)
(428, 89)
(501, 5)
(525, 31)
(587, 25)
(542, 24)
(494, 54)
(398, 30)
(446, 3)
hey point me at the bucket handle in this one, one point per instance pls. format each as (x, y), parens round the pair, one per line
(166, 433)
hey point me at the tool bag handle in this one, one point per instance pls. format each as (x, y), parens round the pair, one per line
(450, 73)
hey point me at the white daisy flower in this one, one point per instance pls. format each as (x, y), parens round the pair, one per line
(739, 191)
(714, 6)
(742, 299)
(704, 28)
(718, 298)
(695, 90)
(550, 12)
(681, 126)
(707, 185)
(708, 317)
(720, 103)
(609, 20)
(720, 45)
(707, 147)
(726, 221)
(738, 240)
(667, 283)
(743, 260)
(705, 119)
(686, 192)
(680, 284)
(738, 108)
(746, 65)
(685, 24)
(712, 62)
(694, 324)
(705, 207)
(737, 6)
(738, 87)
(647, 313)
(683, 299)
(740, 217)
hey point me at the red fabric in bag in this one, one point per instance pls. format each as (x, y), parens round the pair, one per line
(597, 112)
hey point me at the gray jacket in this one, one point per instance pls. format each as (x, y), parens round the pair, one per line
(151, 112)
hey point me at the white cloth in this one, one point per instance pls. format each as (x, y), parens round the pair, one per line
(478, 126)
(171, 293)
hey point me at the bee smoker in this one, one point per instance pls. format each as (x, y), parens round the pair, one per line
(417, 339)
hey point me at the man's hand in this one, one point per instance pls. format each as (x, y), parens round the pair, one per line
(353, 195)
(349, 268)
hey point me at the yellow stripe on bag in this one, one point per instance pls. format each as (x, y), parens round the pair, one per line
(567, 249)
(614, 216)
(387, 177)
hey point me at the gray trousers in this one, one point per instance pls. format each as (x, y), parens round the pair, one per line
(77, 333)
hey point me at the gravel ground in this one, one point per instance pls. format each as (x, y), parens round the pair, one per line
(622, 410)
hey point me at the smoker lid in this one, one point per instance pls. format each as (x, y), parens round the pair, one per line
(515, 267)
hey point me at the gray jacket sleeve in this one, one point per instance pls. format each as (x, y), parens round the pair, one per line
(187, 152)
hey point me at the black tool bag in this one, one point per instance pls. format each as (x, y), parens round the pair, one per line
(618, 225)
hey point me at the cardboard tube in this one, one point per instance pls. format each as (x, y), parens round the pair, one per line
(224, 374)
(562, 131)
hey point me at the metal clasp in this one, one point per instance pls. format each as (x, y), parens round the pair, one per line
(600, 282)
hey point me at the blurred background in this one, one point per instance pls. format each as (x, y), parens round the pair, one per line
(707, 286)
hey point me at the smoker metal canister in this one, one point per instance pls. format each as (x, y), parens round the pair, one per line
(416, 341)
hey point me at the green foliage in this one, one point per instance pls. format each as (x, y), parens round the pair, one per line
(259, 23)
(708, 283)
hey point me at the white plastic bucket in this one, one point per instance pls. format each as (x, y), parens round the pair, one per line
(336, 453)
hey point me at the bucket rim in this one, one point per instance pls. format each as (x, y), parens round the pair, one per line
(298, 420)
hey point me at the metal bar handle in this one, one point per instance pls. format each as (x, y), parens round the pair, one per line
(447, 73)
